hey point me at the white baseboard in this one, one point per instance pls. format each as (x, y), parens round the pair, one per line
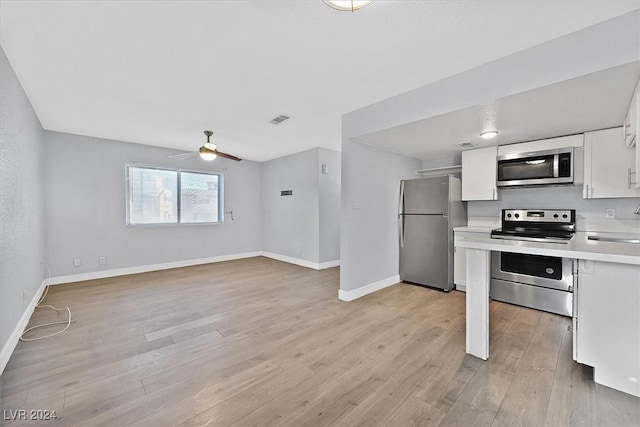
(302, 262)
(367, 289)
(329, 264)
(101, 274)
(12, 342)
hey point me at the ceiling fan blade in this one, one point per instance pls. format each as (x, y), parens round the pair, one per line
(227, 156)
(191, 153)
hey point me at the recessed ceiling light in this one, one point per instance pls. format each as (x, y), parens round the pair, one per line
(348, 5)
(488, 134)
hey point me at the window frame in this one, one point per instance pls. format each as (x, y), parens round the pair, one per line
(178, 172)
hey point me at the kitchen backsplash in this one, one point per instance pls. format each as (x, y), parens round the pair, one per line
(590, 213)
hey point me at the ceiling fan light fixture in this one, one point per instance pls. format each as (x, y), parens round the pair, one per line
(206, 154)
(347, 5)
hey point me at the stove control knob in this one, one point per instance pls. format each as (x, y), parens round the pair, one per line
(564, 216)
(517, 215)
(555, 215)
(508, 215)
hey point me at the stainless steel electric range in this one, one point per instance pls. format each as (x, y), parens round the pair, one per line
(536, 281)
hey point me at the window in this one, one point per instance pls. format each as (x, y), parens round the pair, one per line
(168, 196)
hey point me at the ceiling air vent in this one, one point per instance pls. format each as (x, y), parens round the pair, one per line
(277, 120)
(465, 144)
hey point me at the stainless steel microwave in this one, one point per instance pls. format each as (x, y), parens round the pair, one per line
(547, 167)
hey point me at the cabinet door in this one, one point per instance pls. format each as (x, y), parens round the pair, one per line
(460, 268)
(608, 323)
(479, 174)
(636, 147)
(609, 166)
(542, 144)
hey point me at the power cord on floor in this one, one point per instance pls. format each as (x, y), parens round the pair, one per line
(44, 295)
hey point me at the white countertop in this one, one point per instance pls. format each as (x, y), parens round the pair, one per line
(474, 229)
(578, 248)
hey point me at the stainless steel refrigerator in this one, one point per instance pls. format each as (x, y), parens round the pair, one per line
(428, 211)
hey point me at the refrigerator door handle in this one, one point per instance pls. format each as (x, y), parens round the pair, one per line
(400, 212)
(401, 199)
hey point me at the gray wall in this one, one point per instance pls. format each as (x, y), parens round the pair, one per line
(21, 196)
(85, 207)
(291, 222)
(329, 205)
(553, 198)
(305, 225)
(370, 190)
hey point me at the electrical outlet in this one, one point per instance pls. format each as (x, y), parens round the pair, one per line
(76, 262)
(610, 213)
(102, 260)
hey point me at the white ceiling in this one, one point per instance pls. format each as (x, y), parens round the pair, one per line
(595, 101)
(159, 73)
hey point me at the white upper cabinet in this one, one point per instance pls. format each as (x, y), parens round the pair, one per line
(543, 144)
(479, 174)
(609, 166)
(630, 125)
(630, 129)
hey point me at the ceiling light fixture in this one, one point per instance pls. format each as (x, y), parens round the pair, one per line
(488, 134)
(208, 150)
(206, 154)
(347, 5)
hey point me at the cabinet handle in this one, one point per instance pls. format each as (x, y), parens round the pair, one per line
(629, 182)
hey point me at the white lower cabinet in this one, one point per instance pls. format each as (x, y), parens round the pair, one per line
(460, 257)
(606, 331)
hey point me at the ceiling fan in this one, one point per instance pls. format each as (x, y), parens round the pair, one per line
(209, 150)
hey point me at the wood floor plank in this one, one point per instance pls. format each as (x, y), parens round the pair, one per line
(262, 342)
(573, 399)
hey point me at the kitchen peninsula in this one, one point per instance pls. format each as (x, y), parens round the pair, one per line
(606, 333)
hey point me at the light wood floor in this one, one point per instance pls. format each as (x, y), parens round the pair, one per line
(261, 342)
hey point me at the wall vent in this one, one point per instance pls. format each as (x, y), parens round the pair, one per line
(277, 120)
(465, 144)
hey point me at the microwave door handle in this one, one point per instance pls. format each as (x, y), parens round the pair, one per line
(556, 166)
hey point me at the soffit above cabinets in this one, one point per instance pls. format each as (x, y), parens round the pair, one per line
(594, 101)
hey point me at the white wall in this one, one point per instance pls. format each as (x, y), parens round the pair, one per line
(21, 206)
(369, 212)
(85, 207)
(329, 205)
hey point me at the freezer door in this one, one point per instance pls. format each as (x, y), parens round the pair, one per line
(426, 195)
(424, 252)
